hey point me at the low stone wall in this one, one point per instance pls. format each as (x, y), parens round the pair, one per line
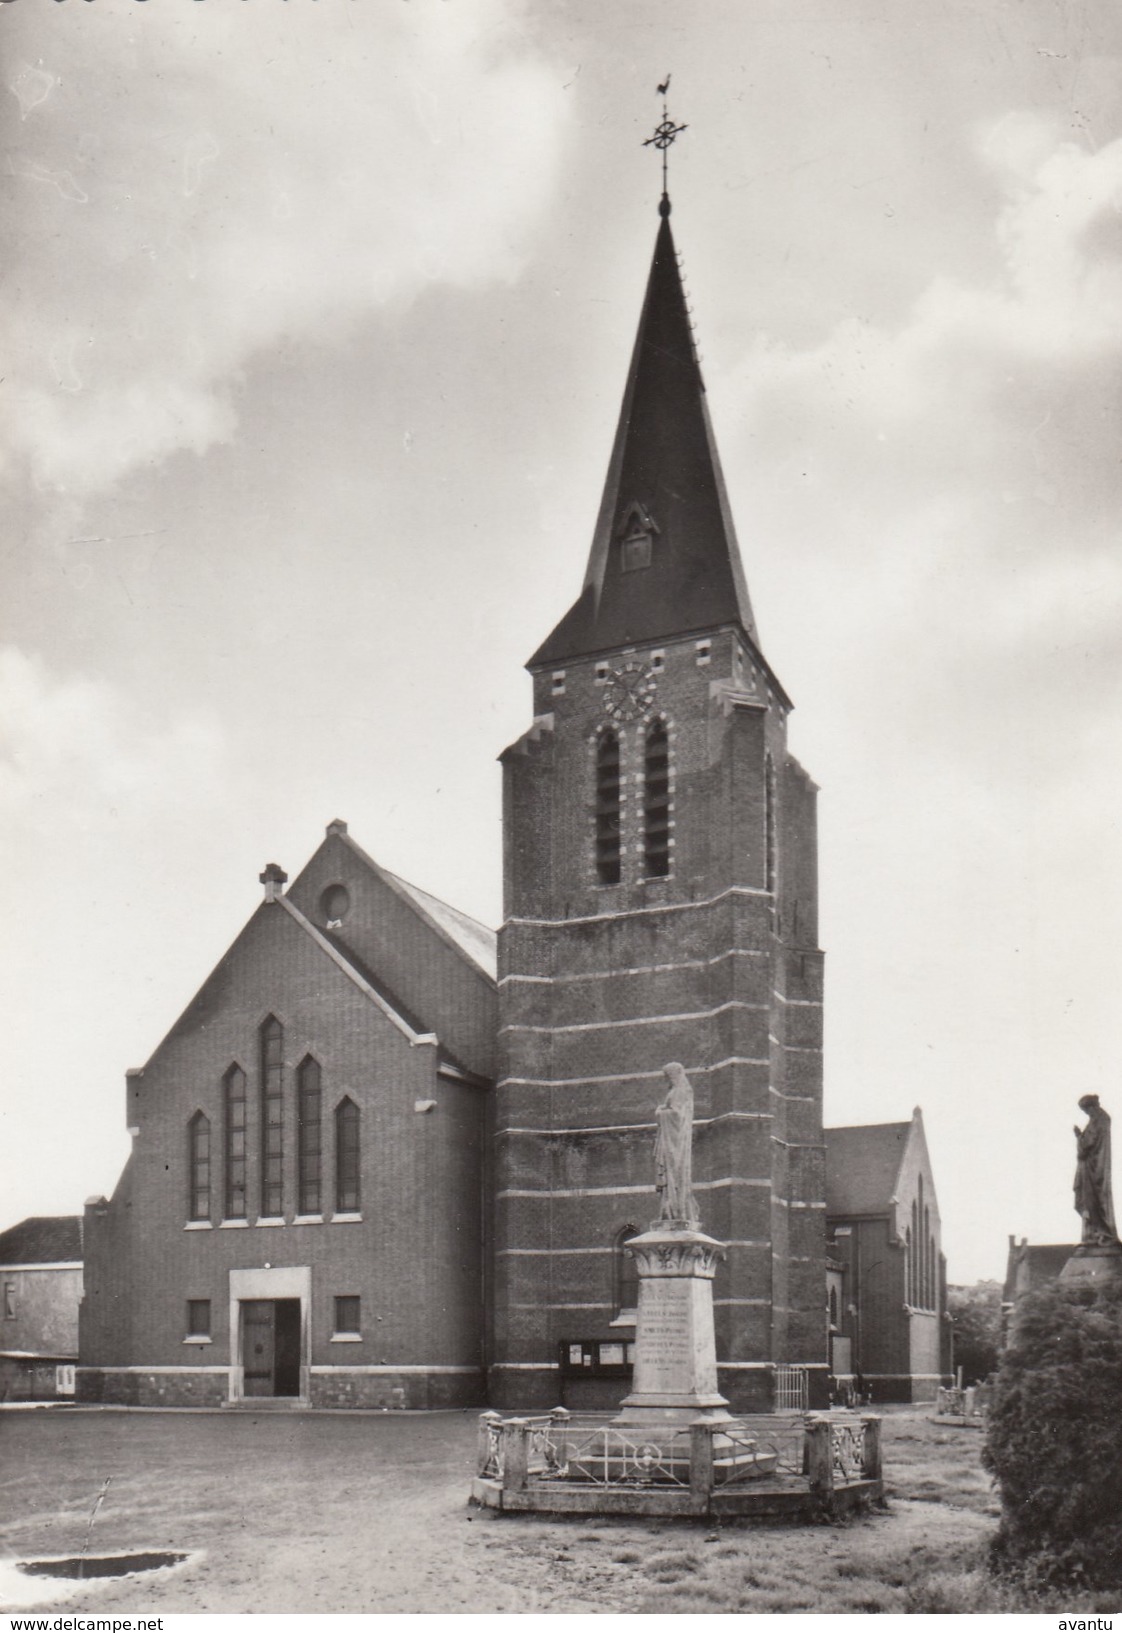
(397, 1391)
(96, 1386)
(384, 1391)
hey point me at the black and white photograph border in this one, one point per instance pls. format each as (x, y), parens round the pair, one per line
(749, 374)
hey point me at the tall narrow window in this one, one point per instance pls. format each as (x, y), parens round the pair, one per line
(310, 1138)
(626, 1274)
(608, 808)
(769, 825)
(9, 1301)
(233, 1111)
(913, 1256)
(198, 1156)
(656, 802)
(347, 1192)
(908, 1298)
(272, 1119)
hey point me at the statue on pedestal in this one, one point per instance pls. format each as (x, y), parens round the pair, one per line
(1093, 1201)
(674, 1150)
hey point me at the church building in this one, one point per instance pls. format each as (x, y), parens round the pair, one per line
(382, 1159)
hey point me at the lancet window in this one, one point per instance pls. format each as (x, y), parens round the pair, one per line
(272, 1119)
(625, 1274)
(769, 825)
(234, 1130)
(309, 1131)
(347, 1158)
(656, 801)
(198, 1160)
(608, 808)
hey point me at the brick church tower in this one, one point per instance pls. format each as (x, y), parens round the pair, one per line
(660, 904)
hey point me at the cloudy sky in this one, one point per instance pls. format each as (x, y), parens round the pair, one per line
(318, 313)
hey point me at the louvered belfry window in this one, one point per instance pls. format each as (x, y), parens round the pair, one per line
(272, 1119)
(656, 802)
(608, 809)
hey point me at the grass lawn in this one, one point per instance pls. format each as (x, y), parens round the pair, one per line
(356, 1512)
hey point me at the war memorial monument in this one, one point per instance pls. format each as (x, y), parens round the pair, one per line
(674, 1447)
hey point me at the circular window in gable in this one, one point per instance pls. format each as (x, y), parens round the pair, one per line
(334, 904)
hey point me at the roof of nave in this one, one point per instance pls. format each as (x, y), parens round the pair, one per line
(862, 1166)
(54, 1239)
(468, 936)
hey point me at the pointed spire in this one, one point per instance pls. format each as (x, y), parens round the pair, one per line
(664, 559)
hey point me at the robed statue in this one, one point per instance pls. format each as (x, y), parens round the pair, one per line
(1093, 1201)
(674, 1149)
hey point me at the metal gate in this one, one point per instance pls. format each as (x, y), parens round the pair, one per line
(791, 1389)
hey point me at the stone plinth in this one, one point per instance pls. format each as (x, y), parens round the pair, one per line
(1094, 1264)
(675, 1377)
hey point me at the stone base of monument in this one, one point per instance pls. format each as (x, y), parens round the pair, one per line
(675, 1379)
(1094, 1264)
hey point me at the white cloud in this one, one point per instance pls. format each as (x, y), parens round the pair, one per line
(234, 184)
(77, 754)
(960, 472)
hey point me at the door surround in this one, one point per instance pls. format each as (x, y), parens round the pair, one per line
(285, 1281)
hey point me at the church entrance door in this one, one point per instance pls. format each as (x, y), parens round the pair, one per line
(271, 1346)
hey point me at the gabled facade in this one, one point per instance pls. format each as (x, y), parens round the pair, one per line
(660, 904)
(40, 1290)
(890, 1332)
(300, 1217)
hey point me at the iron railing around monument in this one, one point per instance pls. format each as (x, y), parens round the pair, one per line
(826, 1450)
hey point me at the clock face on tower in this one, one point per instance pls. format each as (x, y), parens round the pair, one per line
(629, 691)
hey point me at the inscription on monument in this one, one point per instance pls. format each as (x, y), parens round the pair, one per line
(667, 1327)
(666, 1359)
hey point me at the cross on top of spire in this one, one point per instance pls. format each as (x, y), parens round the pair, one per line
(664, 137)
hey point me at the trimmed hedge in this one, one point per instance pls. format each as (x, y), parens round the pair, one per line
(1054, 1438)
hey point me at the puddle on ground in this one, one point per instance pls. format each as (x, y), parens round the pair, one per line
(83, 1569)
(26, 1582)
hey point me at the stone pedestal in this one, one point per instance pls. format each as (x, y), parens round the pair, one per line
(1093, 1264)
(675, 1378)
